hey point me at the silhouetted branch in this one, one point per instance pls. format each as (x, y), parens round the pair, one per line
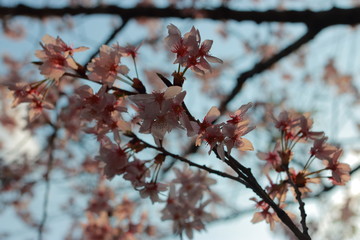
(190, 163)
(325, 18)
(264, 65)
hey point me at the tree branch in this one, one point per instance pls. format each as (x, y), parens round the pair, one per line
(258, 190)
(329, 188)
(47, 183)
(264, 65)
(190, 163)
(325, 18)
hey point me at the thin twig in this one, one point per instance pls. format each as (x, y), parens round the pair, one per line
(47, 184)
(190, 163)
(264, 65)
(301, 204)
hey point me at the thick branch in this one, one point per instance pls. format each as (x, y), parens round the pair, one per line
(257, 189)
(325, 18)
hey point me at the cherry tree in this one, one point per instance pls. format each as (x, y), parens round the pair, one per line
(181, 114)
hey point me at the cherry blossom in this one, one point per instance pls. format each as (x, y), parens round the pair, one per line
(305, 127)
(152, 190)
(113, 156)
(127, 51)
(56, 57)
(136, 172)
(161, 112)
(190, 52)
(106, 67)
(340, 171)
(227, 134)
(266, 214)
(186, 196)
(322, 150)
(103, 107)
(186, 206)
(301, 180)
(272, 158)
(98, 228)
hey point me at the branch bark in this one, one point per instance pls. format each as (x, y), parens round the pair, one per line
(330, 17)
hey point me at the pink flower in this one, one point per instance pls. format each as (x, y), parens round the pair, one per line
(301, 180)
(238, 117)
(104, 108)
(193, 184)
(286, 121)
(98, 228)
(322, 150)
(272, 158)
(136, 172)
(114, 157)
(60, 46)
(152, 190)
(37, 106)
(211, 116)
(106, 67)
(305, 126)
(266, 214)
(186, 212)
(56, 57)
(190, 52)
(127, 51)
(22, 92)
(204, 56)
(227, 134)
(233, 139)
(215, 137)
(340, 171)
(161, 112)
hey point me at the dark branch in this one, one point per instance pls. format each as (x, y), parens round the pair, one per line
(258, 190)
(190, 163)
(324, 18)
(264, 65)
(49, 168)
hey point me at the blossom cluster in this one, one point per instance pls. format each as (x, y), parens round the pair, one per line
(297, 128)
(161, 112)
(190, 51)
(106, 114)
(56, 57)
(185, 204)
(102, 206)
(227, 134)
